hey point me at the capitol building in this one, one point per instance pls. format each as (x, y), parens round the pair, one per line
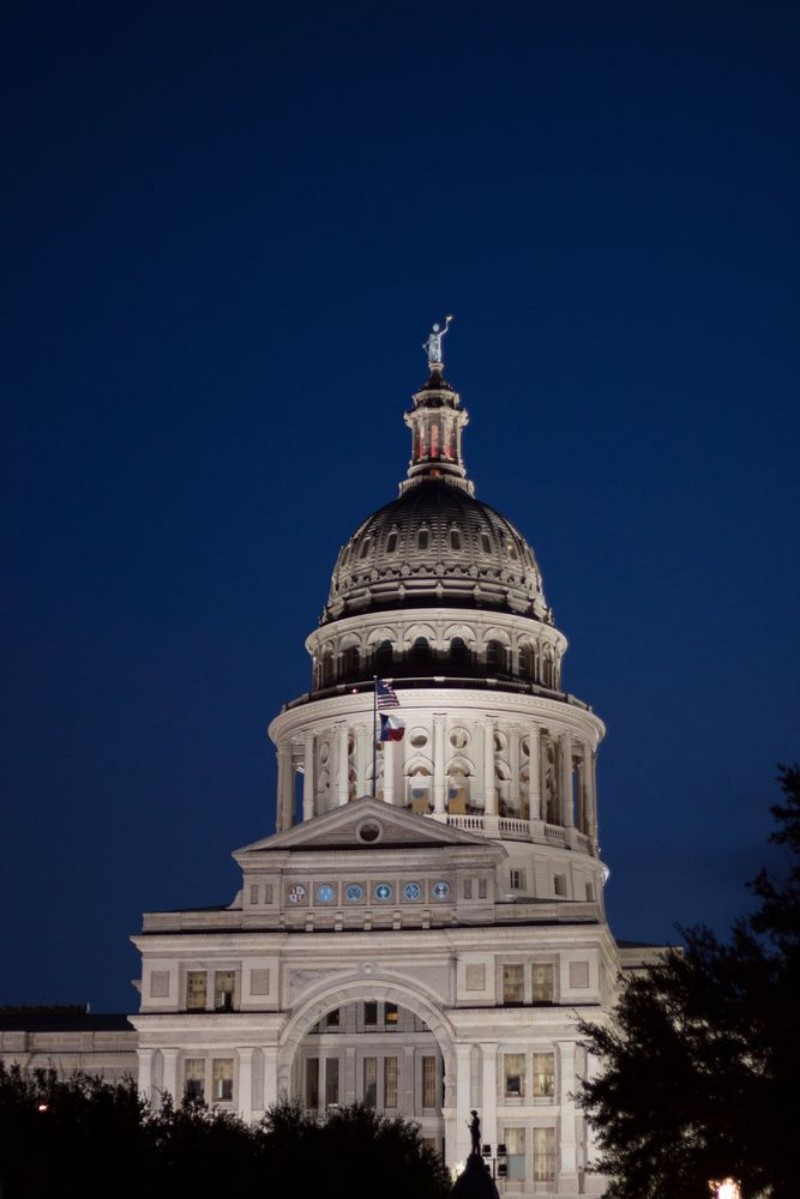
(425, 926)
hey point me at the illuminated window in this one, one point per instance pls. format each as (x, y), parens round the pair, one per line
(513, 984)
(194, 1078)
(390, 1015)
(196, 984)
(514, 1074)
(222, 1079)
(224, 990)
(544, 1075)
(312, 1082)
(331, 1081)
(543, 985)
(515, 1152)
(429, 1082)
(390, 1082)
(544, 1154)
(370, 1081)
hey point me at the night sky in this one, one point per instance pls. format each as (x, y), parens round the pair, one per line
(226, 231)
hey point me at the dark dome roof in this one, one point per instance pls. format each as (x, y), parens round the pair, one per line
(436, 546)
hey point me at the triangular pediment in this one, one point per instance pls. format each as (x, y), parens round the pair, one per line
(367, 824)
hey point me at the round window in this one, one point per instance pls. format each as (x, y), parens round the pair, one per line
(419, 738)
(459, 738)
(369, 831)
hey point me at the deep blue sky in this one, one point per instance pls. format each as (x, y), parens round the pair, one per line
(226, 230)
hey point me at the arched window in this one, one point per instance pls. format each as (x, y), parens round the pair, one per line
(422, 539)
(326, 671)
(383, 658)
(420, 656)
(459, 653)
(458, 790)
(418, 788)
(527, 661)
(486, 544)
(351, 661)
(391, 543)
(496, 655)
(364, 547)
(455, 539)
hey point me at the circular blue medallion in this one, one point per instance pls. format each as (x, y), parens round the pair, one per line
(412, 891)
(296, 893)
(325, 893)
(383, 891)
(441, 890)
(354, 892)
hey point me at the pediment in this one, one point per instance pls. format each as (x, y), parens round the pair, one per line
(367, 824)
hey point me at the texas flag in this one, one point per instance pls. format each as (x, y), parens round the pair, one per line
(392, 729)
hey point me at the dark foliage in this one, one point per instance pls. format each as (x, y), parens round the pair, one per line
(80, 1137)
(702, 1056)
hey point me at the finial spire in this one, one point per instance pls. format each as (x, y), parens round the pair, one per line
(433, 346)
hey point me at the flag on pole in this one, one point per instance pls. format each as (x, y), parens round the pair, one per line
(392, 729)
(385, 696)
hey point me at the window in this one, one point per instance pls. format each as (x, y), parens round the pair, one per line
(455, 539)
(254, 892)
(364, 548)
(391, 543)
(513, 984)
(422, 539)
(384, 656)
(482, 888)
(560, 884)
(544, 1075)
(351, 659)
(332, 1018)
(459, 656)
(514, 1074)
(459, 738)
(331, 1081)
(222, 1079)
(468, 888)
(370, 1081)
(486, 544)
(196, 983)
(390, 1082)
(312, 1082)
(390, 1016)
(194, 1078)
(429, 1082)
(515, 1152)
(495, 654)
(517, 880)
(370, 1013)
(224, 990)
(544, 1154)
(543, 987)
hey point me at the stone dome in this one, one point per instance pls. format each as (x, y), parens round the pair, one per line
(436, 545)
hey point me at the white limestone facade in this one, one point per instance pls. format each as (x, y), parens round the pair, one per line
(426, 926)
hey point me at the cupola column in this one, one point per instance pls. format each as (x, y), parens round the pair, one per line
(308, 776)
(591, 793)
(489, 789)
(535, 775)
(342, 790)
(363, 749)
(565, 764)
(285, 786)
(438, 764)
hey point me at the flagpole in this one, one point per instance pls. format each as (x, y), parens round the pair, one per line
(374, 731)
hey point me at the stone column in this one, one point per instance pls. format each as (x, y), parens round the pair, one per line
(565, 766)
(308, 776)
(285, 787)
(363, 751)
(489, 791)
(245, 1083)
(461, 1150)
(388, 771)
(568, 1149)
(349, 1082)
(489, 1130)
(169, 1084)
(535, 776)
(270, 1075)
(406, 1081)
(513, 761)
(591, 794)
(145, 1057)
(342, 764)
(439, 777)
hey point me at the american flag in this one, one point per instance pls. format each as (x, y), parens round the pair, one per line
(385, 696)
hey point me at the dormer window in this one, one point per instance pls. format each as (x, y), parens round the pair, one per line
(364, 547)
(455, 539)
(391, 543)
(486, 544)
(423, 537)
